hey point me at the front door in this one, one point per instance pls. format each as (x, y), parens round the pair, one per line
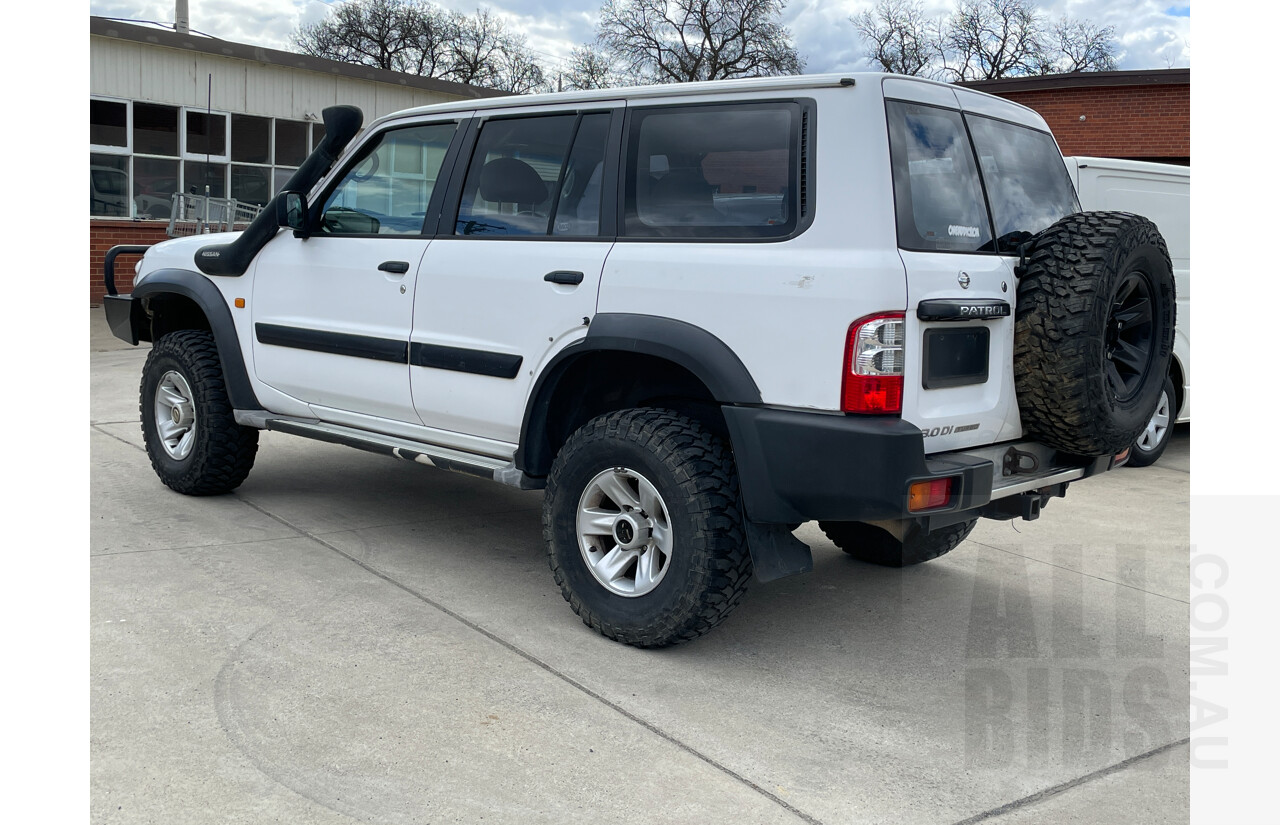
(332, 312)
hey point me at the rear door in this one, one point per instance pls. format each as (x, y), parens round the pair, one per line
(514, 271)
(968, 189)
(958, 374)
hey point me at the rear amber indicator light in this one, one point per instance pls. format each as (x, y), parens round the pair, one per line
(929, 495)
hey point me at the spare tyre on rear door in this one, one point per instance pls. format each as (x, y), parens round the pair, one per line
(1094, 331)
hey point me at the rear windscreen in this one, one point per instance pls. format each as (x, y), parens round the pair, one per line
(939, 197)
(1027, 182)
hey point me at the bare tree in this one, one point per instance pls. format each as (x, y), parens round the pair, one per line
(981, 40)
(1080, 46)
(901, 40)
(670, 41)
(590, 68)
(378, 33)
(432, 32)
(418, 37)
(990, 39)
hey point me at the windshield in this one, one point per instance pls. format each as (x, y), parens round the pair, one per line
(939, 195)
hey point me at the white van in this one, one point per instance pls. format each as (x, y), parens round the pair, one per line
(1161, 192)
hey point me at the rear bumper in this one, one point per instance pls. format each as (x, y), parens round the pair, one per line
(801, 466)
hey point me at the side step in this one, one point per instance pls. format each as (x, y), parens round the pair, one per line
(493, 469)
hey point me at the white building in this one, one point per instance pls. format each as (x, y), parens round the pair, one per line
(177, 112)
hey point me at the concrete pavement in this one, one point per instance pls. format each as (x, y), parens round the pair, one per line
(349, 638)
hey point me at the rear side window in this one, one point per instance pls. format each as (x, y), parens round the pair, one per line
(714, 171)
(937, 194)
(513, 176)
(525, 179)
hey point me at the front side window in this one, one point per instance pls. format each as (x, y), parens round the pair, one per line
(389, 188)
(937, 194)
(714, 171)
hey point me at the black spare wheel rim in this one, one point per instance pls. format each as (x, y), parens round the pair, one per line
(1129, 349)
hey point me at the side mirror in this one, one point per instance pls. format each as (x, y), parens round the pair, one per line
(291, 211)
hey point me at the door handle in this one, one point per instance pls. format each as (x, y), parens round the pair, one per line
(563, 276)
(398, 267)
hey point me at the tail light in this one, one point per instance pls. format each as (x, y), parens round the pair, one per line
(873, 360)
(929, 495)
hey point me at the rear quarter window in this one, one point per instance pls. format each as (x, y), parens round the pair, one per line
(714, 171)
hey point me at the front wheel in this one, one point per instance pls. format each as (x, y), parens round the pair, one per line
(188, 424)
(643, 528)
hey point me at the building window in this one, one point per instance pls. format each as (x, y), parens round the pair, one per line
(155, 180)
(109, 123)
(198, 174)
(250, 139)
(206, 134)
(142, 154)
(251, 184)
(155, 129)
(291, 142)
(108, 185)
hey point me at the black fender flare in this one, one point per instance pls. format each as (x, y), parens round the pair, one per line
(775, 553)
(200, 290)
(700, 352)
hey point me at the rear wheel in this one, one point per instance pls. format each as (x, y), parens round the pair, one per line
(643, 528)
(188, 424)
(866, 542)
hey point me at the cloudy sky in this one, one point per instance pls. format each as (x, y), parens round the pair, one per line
(1152, 34)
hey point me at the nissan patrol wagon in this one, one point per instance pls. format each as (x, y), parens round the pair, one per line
(694, 315)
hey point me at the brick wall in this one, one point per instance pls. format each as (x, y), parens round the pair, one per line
(104, 234)
(1148, 122)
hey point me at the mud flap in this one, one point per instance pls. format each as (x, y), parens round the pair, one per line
(775, 552)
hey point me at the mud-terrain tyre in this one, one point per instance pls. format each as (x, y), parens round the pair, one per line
(1150, 444)
(1093, 333)
(866, 542)
(188, 425)
(643, 527)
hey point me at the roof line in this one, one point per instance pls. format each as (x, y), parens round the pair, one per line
(192, 42)
(1136, 77)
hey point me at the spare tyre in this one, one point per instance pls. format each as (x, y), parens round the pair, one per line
(1093, 332)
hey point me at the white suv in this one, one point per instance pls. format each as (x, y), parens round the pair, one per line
(697, 315)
